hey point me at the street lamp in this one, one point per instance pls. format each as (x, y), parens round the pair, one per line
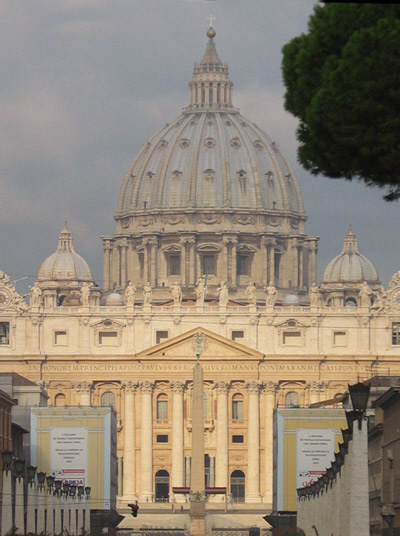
(41, 478)
(87, 491)
(359, 394)
(50, 481)
(7, 458)
(31, 472)
(19, 466)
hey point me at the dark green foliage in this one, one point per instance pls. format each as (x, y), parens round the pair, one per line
(342, 81)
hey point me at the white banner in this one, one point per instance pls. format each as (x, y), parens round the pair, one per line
(69, 454)
(315, 452)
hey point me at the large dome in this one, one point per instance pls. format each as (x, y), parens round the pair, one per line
(210, 195)
(213, 159)
(210, 157)
(65, 264)
(350, 266)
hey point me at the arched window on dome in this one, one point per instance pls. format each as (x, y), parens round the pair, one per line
(108, 399)
(237, 407)
(162, 407)
(292, 400)
(60, 400)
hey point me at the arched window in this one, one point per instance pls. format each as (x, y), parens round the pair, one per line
(162, 407)
(237, 407)
(338, 398)
(108, 399)
(350, 302)
(292, 400)
(238, 486)
(162, 486)
(60, 400)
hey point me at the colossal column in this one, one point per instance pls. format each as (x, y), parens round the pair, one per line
(177, 435)
(269, 403)
(129, 479)
(123, 247)
(271, 261)
(253, 438)
(221, 473)
(146, 490)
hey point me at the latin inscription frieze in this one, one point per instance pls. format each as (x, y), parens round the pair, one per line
(310, 367)
(56, 368)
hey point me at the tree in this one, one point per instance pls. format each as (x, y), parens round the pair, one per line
(342, 81)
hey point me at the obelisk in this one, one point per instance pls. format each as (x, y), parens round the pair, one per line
(197, 482)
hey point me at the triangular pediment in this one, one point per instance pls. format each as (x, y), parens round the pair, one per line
(212, 347)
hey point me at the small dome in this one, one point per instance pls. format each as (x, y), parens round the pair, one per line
(291, 299)
(350, 266)
(65, 264)
(114, 300)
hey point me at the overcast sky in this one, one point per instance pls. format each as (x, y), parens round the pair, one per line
(85, 82)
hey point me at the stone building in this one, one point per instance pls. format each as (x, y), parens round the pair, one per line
(210, 245)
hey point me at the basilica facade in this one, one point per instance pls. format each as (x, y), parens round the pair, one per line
(209, 250)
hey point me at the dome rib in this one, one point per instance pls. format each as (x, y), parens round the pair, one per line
(226, 190)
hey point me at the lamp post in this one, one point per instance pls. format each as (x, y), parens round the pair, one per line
(358, 514)
(41, 503)
(87, 509)
(31, 500)
(19, 469)
(50, 499)
(6, 518)
(57, 500)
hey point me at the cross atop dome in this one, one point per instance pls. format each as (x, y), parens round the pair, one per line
(210, 18)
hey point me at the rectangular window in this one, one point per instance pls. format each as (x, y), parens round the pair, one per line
(108, 338)
(161, 438)
(237, 410)
(4, 333)
(60, 338)
(208, 264)
(396, 333)
(237, 335)
(174, 265)
(292, 338)
(161, 336)
(243, 265)
(237, 439)
(339, 338)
